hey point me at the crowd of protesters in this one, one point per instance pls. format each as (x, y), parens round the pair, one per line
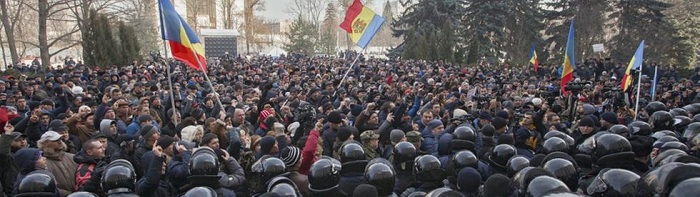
(294, 126)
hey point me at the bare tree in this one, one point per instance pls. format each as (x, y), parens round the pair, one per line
(9, 22)
(308, 10)
(228, 14)
(249, 17)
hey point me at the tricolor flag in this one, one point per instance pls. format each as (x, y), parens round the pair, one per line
(634, 64)
(184, 44)
(533, 59)
(653, 85)
(361, 23)
(567, 74)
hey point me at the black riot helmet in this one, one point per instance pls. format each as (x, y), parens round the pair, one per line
(673, 145)
(464, 133)
(544, 185)
(201, 192)
(464, 159)
(204, 162)
(324, 175)
(351, 152)
(382, 176)
(443, 192)
(427, 168)
(119, 176)
(661, 120)
(523, 178)
(500, 155)
(680, 122)
(39, 181)
(272, 167)
(563, 170)
(655, 106)
(515, 164)
(567, 138)
(620, 130)
(678, 112)
(82, 194)
(609, 144)
(659, 134)
(692, 109)
(691, 130)
(404, 152)
(555, 144)
(640, 128)
(613, 182)
(283, 186)
(688, 187)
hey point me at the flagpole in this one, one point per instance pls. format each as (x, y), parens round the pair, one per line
(206, 76)
(639, 86)
(349, 69)
(167, 69)
(653, 86)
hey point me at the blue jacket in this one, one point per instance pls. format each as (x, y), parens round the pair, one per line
(153, 183)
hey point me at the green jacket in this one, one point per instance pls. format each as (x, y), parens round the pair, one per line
(369, 153)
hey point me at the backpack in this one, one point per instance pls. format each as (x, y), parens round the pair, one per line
(82, 175)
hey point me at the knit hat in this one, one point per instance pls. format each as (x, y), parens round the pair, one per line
(433, 124)
(586, 122)
(290, 155)
(498, 185)
(458, 113)
(485, 116)
(503, 114)
(506, 139)
(356, 110)
(344, 133)
(488, 130)
(396, 135)
(609, 117)
(499, 123)
(588, 109)
(147, 131)
(365, 190)
(165, 141)
(468, 180)
(207, 138)
(266, 144)
(334, 117)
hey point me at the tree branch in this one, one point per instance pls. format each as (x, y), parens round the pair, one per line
(64, 48)
(57, 39)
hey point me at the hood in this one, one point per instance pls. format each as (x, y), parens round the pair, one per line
(82, 157)
(26, 159)
(104, 125)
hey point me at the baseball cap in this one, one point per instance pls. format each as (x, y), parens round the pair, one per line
(17, 135)
(369, 135)
(49, 136)
(414, 136)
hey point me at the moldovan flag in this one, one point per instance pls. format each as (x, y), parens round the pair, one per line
(533, 59)
(184, 44)
(635, 63)
(361, 23)
(567, 74)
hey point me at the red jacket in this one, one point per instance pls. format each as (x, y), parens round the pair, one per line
(308, 154)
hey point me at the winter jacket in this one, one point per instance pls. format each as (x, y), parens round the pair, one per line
(153, 184)
(141, 149)
(8, 173)
(88, 173)
(302, 182)
(308, 154)
(329, 136)
(83, 131)
(62, 166)
(232, 174)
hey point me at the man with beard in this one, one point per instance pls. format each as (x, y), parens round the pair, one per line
(58, 162)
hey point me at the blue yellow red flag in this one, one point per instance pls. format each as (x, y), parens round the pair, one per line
(361, 23)
(634, 64)
(183, 42)
(567, 74)
(533, 59)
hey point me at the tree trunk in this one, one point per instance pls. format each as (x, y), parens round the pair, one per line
(43, 38)
(9, 32)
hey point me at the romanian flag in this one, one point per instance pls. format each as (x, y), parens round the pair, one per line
(361, 23)
(635, 63)
(184, 44)
(533, 59)
(567, 74)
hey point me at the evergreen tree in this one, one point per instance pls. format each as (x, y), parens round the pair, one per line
(522, 28)
(484, 23)
(590, 26)
(100, 47)
(328, 42)
(129, 44)
(88, 42)
(424, 21)
(301, 37)
(642, 20)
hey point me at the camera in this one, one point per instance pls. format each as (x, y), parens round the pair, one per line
(576, 86)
